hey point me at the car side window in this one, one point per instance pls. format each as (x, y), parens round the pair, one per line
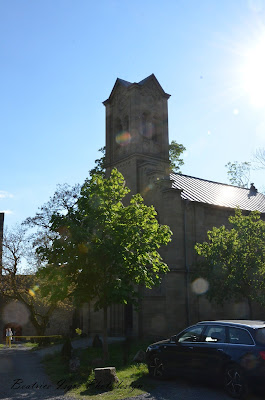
(239, 336)
(215, 334)
(192, 334)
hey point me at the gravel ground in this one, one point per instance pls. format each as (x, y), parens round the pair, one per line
(22, 377)
(186, 390)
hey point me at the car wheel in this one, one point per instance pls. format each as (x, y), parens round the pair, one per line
(156, 367)
(234, 382)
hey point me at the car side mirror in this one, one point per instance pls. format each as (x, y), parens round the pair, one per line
(174, 339)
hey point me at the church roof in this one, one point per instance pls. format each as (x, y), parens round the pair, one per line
(218, 194)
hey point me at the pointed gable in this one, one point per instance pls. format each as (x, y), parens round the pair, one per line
(152, 81)
(149, 81)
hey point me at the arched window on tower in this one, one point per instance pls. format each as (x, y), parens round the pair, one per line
(156, 129)
(118, 127)
(126, 123)
(147, 125)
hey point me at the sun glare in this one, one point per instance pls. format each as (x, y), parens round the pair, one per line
(254, 74)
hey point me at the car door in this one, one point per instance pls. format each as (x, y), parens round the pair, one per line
(210, 353)
(180, 354)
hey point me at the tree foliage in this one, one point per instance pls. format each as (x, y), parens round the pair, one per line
(100, 166)
(234, 260)
(239, 173)
(103, 249)
(259, 158)
(175, 152)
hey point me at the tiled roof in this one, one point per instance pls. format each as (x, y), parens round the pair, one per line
(218, 194)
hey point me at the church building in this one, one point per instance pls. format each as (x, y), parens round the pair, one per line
(137, 145)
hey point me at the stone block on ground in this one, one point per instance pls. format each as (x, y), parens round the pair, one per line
(105, 377)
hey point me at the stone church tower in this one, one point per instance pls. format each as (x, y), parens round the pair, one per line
(137, 129)
(137, 145)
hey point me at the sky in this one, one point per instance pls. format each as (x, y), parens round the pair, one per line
(61, 58)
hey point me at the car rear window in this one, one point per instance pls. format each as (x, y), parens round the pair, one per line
(239, 336)
(260, 336)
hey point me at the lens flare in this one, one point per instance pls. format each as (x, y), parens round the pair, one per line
(123, 138)
(15, 312)
(147, 189)
(253, 77)
(33, 290)
(200, 286)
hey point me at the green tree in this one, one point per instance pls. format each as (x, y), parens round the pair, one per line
(234, 260)
(103, 249)
(175, 152)
(238, 173)
(100, 166)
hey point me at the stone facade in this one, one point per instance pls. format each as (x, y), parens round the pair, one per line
(137, 145)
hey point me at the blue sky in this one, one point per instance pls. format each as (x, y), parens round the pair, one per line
(60, 59)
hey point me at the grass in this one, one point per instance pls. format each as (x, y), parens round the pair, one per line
(133, 378)
(3, 346)
(25, 344)
(29, 344)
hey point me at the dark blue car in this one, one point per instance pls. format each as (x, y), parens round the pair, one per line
(232, 351)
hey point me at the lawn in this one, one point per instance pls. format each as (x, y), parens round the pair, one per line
(14, 345)
(133, 377)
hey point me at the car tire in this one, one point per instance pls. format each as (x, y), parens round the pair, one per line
(234, 382)
(156, 368)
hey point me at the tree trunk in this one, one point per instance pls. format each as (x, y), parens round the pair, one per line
(105, 334)
(40, 328)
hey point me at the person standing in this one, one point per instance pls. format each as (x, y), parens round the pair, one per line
(9, 335)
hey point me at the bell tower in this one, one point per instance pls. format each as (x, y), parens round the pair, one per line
(136, 127)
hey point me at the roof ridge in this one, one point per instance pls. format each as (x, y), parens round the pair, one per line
(124, 82)
(207, 180)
